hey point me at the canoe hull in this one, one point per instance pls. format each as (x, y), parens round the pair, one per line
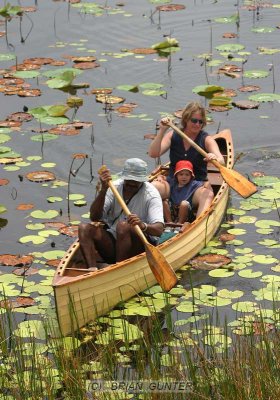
(82, 298)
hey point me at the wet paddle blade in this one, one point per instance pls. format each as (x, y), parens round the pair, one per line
(237, 182)
(160, 267)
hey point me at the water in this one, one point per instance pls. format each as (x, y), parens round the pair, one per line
(57, 30)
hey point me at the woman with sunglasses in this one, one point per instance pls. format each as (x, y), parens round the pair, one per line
(192, 123)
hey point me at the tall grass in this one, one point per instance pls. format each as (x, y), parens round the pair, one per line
(64, 368)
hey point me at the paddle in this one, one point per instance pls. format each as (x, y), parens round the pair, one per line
(233, 178)
(160, 267)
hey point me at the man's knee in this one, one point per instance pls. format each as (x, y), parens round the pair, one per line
(82, 230)
(87, 231)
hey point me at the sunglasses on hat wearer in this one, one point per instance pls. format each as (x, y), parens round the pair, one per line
(196, 120)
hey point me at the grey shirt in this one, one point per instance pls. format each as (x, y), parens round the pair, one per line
(146, 203)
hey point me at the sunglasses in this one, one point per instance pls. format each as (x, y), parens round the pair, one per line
(195, 121)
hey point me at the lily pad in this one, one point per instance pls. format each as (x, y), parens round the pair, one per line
(230, 294)
(33, 239)
(44, 214)
(256, 74)
(263, 29)
(221, 273)
(264, 259)
(30, 329)
(228, 20)
(245, 306)
(230, 47)
(40, 176)
(265, 97)
(249, 273)
(207, 90)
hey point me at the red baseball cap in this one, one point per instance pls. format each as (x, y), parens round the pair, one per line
(184, 164)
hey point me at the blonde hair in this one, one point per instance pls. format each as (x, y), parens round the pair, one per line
(189, 110)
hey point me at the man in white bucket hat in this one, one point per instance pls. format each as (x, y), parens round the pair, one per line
(116, 239)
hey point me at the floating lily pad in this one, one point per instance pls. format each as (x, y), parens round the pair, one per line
(7, 57)
(245, 306)
(209, 261)
(265, 97)
(30, 329)
(249, 273)
(187, 306)
(168, 43)
(221, 273)
(246, 104)
(34, 239)
(268, 51)
(236, 231)
(230, 294)
(263, 29)
(26, 74)
(40, 176)
(230, 47)
(255, 74)
(264, 259)
(53, 254)
(109, 99)
(207, 90)
(54, 199)
(43, 138)
(4, 138)
(246, 219)
(15, 260)
(44, 214)
(47, 233)
(2, 209)
(155, 92)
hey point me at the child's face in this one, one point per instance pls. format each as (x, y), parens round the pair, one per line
(183, 177)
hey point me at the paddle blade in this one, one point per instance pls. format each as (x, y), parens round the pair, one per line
(238, 182)
(160, 267)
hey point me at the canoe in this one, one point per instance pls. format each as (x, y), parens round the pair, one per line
(82, 295)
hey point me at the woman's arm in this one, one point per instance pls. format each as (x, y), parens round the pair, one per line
(213, 150)
(161, 142)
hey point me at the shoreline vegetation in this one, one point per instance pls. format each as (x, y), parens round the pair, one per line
(164, 361)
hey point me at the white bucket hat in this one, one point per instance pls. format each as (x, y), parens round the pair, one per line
(135, 169)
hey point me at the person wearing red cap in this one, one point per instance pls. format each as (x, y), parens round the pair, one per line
(182, 188)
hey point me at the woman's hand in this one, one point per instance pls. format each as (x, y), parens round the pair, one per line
(164, 124)
(210, 156)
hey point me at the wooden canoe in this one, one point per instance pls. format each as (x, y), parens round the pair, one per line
(82, 295)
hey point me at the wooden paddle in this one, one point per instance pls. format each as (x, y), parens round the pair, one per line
(160, 267)
(233, 178)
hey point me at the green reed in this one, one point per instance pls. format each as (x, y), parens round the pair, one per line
(59, 368)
